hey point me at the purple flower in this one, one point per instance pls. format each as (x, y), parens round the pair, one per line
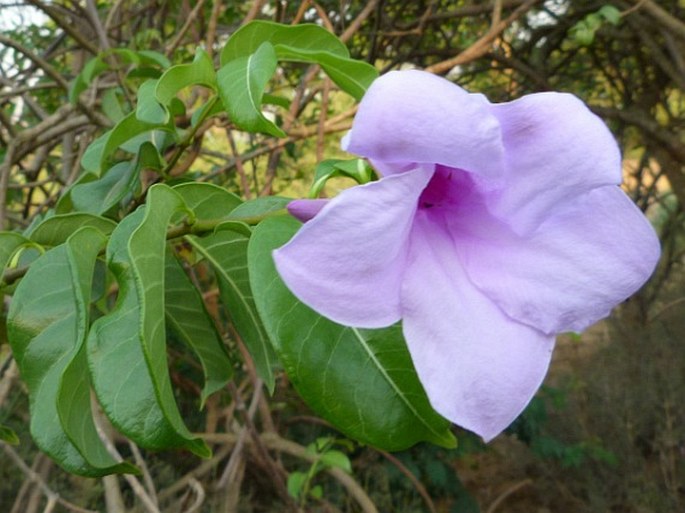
(493, 227)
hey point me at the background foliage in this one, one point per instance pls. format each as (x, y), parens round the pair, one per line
(605, 434)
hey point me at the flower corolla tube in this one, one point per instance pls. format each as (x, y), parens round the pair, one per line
(492, 228)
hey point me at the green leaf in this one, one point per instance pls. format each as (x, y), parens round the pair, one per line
(241, 87)
(610, 13)
(207, 201)
(187, 317)
(336, 459)
(200, 72)
(8, 436)
(210, 109)
(306, 36)
(56, 229)
(352, 76)
(111, 106)
(99, 196)
(92, 69)
(362, 381)
(148, 109)
(103, 147)
(10, 243)
(295, 484)
(357, 169)
(226, 251)
(127, 347)
(46, 331)
(303, 43)
(260, 206)
(152, 57)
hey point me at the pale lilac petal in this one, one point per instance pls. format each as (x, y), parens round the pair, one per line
(417, 117)
(348, 262)
(479, 367)
(306, 209)
(555, 149)
(573, 270)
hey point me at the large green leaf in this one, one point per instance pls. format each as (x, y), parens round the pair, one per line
(95, 157)
(199, 72)
(259, 207)
(47, 326)
(226, 251)
(207, 201)
(188, 319)
(352, 76)
(56, 229)
(100, 195)
(362, 381)
(303, 43)
(127, 347)
(248, 38)
(241, 87)
(148, 109)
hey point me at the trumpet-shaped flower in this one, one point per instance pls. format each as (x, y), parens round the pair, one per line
(493, 228)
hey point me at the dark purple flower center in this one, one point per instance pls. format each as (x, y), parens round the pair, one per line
(447, 189)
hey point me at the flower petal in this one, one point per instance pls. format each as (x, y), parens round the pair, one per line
(347, 263)
(555, 149)
(479, 367)
(573, 270)
(417, 117)
(306, 209)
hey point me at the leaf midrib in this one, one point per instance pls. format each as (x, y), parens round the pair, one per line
(392, 383)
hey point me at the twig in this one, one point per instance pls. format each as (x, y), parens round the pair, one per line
(234, 460)
(38, 61)
(512, 489)
(244, 182)
(480, 47)
(322, 119)
(667, 20)
(199, 495)
(114, 501)
(211, 27)
(277, 443)
(417, 484)
(229, 441)
(5, 170)
(496, 13)
(26, 485)
(254, 11)
(181, 33)
(323, 16)
(295, 109)
(92, 13)
(33, 476)
(138, 489)
(633, 8)
(110, 15)
(75, 34)
(147, 478)
(357, 22)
